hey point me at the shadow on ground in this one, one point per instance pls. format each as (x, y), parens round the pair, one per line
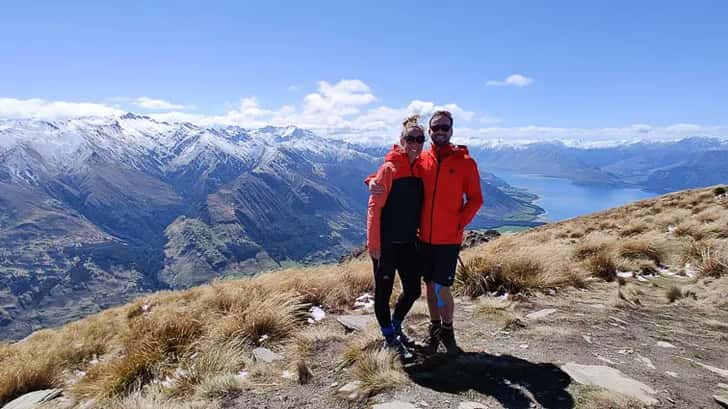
(514, 382)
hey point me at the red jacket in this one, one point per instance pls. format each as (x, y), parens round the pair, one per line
(448, 173)
(394, 216)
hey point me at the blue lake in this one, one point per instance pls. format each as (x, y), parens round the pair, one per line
(562, 199)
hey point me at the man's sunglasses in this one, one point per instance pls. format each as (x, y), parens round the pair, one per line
(438, 128)
(415, 138)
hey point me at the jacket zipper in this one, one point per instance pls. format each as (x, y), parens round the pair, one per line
(434, 194)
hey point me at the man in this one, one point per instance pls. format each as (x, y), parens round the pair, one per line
(448, 175)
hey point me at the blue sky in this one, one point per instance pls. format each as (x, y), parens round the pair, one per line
(609, 69)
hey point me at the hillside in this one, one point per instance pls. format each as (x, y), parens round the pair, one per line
(640, 289)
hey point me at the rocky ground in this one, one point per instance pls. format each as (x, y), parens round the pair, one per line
(533, 351)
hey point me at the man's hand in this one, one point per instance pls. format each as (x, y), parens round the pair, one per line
(375, 189)
(375, 253)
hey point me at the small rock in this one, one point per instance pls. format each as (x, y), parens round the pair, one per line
(722, 399)
(333, 385)
(625, 274)
(266, 355)
(243, 374)
(663, 344)
(598, 306)
(317, 314)
(587, 338)
(540, 314)
(603, 359)
(395, 404)
(288, 375)
(721, 372)
(355, 322)
(352, 391)
(645, 361)
(671, 373)
(611, 379)
(618, 320)
(365, 302)
(471, 405)
(422, 403)
(33, 399)
(722, 385)
(523, 346)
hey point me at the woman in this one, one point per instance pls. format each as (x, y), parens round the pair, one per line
(393, 218)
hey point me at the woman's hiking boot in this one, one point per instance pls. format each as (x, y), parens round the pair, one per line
(393, 344)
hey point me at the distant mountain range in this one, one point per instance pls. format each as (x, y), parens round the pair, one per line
(95, 211)
(654, 166)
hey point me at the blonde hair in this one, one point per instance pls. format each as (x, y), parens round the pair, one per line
(410, 123)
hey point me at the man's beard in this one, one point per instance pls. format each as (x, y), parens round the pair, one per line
(441, 141)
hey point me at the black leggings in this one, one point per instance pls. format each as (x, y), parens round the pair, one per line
(402, 257)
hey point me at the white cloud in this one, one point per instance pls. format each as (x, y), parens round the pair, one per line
(294, 88)
(515, 80)
(42, 109)
(346, 97)
(346, 110)
(158, 104)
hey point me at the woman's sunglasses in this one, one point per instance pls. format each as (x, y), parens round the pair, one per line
(438, 128)
(415, 138)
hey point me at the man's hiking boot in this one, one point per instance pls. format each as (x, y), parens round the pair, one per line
(432, 341)
(447, 336)
(394, 345)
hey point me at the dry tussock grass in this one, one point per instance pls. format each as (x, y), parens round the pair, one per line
(208, 364)
(368, 340)
(155, 398)
(634, 228)
(378, 370)
(642, 249)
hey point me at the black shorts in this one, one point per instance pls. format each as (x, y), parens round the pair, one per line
(439, 262)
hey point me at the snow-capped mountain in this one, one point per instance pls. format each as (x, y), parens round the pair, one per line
(97, 210)
(94, 211)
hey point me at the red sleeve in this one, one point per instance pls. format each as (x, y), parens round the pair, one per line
(472, 192)
(383, 178)
(369, 178)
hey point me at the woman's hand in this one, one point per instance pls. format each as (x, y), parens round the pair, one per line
(375, 189)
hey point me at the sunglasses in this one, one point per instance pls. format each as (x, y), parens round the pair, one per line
(415, 138)
(438, 128)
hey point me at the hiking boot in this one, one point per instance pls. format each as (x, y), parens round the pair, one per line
(447, 336)
(398, 348)
(432, 341)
